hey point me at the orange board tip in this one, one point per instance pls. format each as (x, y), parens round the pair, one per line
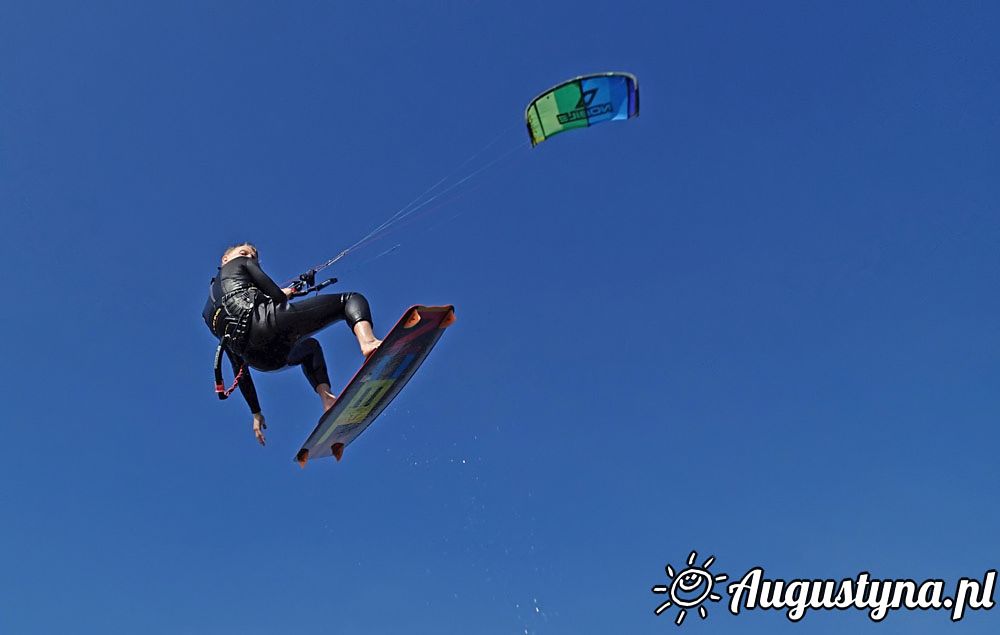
(338, 450)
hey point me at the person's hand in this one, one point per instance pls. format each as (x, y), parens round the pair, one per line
(289, 292)
(258, 427)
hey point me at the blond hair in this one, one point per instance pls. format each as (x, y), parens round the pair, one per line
(233, 248)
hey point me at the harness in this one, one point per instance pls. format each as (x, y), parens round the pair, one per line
(231, 331)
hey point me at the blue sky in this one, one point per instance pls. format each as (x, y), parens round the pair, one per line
(759, 321)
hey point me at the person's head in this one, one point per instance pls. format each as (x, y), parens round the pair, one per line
(242, 250)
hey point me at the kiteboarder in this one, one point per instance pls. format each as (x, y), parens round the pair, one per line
(258, 327)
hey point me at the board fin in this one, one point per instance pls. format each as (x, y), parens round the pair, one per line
(337, 449)
(302, 457)
(448, 320)
(412, 320)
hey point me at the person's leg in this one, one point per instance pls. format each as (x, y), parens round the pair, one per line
(308, 354)
(359, 317)
(305, 317)
(366, 338)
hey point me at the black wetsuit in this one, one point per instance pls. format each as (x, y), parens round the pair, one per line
(267, 332)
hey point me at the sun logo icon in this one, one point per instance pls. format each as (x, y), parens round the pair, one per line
(689, 588)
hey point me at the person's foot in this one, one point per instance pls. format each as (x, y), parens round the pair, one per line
(328, 400)
(369, 347)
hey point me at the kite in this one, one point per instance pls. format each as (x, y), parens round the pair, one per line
(582, 102)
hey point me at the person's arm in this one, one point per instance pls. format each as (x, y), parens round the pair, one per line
(249, 392)
(263, 282)
(247, 389)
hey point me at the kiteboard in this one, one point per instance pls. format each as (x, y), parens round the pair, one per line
(377, 383)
